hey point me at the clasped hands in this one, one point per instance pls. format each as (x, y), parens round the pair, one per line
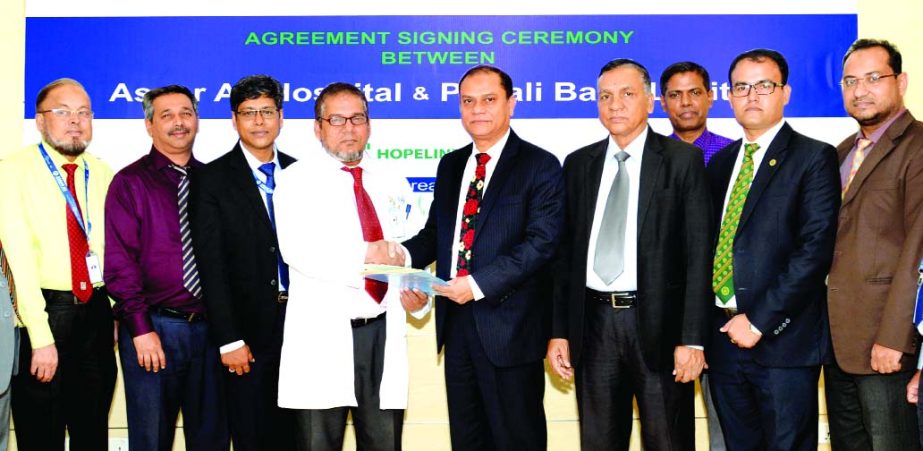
(383, 252)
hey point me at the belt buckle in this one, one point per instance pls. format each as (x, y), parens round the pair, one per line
(612, 301)
(730, 312)
(191, 317)
(282, 298)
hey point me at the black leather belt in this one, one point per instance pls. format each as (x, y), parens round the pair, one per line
(359, 322)
(283, 297)
(171, 313)
(616, 299)
(61, 297)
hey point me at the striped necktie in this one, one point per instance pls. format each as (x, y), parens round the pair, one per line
(858, 157)
(190, 272)
(8, 274)
(723, 276)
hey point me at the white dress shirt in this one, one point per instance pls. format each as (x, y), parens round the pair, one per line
(763, 141)
(628, 280)
(494, 151)
(320, 237)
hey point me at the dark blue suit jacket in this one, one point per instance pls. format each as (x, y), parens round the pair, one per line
(782, 250)
(516, 236)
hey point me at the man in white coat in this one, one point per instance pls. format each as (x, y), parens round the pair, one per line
(344, 347)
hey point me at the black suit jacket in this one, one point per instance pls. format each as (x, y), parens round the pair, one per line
(674, 247)
(517, 232)
(236, 250)
(783, 249)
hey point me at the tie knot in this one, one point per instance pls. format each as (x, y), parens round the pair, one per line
(482, 158)
(750, 149)
(622, 156)
(180, 169)
(862, 144)
(268, 168)
(356, 172)
(69, 168)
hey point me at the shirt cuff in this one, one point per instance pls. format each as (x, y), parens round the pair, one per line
(698, 347)
(419, 314)
(475, 289)
(408, 262)
(233, 346)
(138, 324)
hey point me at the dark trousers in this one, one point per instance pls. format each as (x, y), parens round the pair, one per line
(376, 429)
(191, 381)
(920, 412)
(870, 411)
(765, 408)
(715, 434)
(490, 407)
(78, 397)
(257, 422)
(611, 372)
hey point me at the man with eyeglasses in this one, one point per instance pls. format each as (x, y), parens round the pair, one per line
(776, 202)
(879, 242)
(52, 228)
(168, 360)
(243, 276)
(344, 349)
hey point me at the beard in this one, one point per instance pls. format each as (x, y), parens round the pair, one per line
(344, 156)
(71, 148)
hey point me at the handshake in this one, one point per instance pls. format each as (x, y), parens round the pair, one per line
(383, 252)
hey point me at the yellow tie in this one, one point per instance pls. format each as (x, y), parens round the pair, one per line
(857, 160)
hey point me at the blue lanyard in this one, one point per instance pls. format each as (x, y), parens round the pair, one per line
(68, 197)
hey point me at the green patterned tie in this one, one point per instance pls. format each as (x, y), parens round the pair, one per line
(723, 276)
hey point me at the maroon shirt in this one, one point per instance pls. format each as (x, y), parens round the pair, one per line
(143, 267)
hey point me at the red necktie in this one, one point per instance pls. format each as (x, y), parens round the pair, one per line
(371, 228)
(469, 215)
(80, 275)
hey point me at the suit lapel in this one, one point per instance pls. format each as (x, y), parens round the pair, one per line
(592, 176)
(499, 178)
(651, 165)
(284, 160)
(880, 150)
(241, 176)
(772, 161)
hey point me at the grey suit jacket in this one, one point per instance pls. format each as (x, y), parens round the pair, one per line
(9, 337)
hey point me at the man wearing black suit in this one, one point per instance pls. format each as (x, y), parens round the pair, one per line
(493, 227)
(631, 287)
(243, 276)
(776, 197)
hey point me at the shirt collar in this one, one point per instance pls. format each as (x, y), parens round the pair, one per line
(495, 150)
(160, 161)
(254, 163)
(634, 148)
(766, 138)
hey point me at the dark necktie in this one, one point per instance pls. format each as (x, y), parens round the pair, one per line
(79, 247)
(371, 228)
(469, 215)
(190, 271)
(269, 170)
(609, 261)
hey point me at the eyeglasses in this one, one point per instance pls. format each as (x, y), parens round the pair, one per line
(339, 121)
(871, 79)
(62, 113)
(266, 113)
(762, 88)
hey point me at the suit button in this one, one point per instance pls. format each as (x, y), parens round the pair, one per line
(272, 282)
(787, 320)
(272, 249)
(776, 332)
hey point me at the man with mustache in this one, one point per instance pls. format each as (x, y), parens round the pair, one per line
(244, 278)
(631, 291)
(168, 361)
(52, 229)
(686, 96)
(344, 349)
(879, 242)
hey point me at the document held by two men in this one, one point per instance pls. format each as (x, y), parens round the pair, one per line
(409, 278)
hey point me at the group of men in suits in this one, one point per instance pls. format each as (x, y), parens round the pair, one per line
(627, 269)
